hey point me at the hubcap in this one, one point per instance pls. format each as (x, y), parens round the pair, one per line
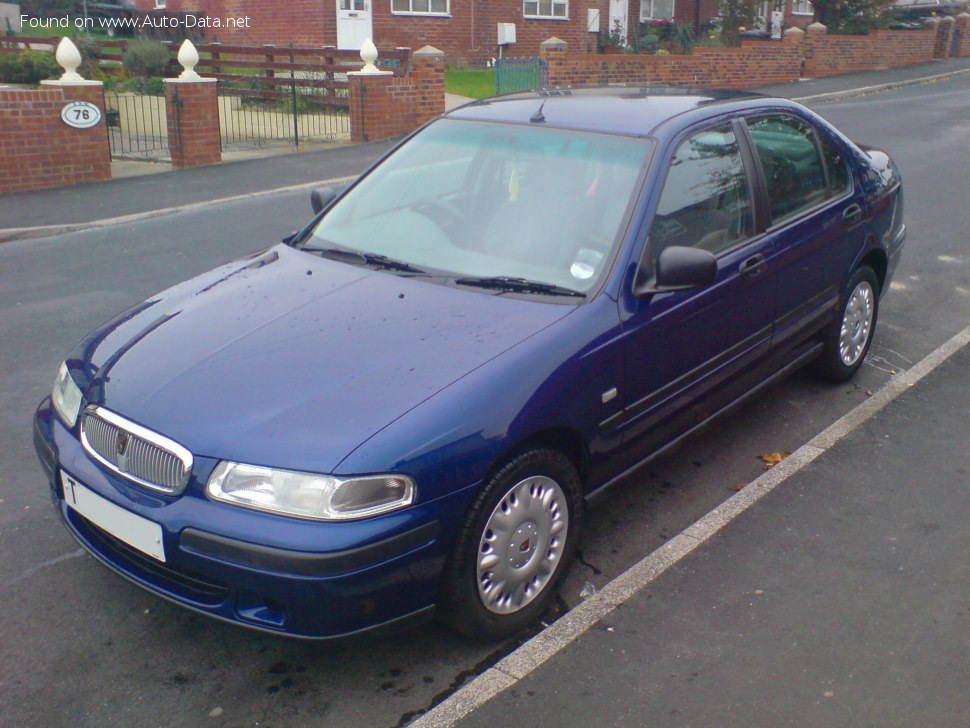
(856, 323)
(522, 544)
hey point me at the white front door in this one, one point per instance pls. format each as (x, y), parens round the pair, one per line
(353, 23)
(618, 18)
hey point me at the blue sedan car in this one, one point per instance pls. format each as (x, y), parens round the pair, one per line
(403, 407)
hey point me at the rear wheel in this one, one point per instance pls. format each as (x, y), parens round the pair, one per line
(849, 337)
(514, 547)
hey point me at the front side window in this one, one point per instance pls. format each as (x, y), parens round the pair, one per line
(476, 199)
(656, 9)
(839, 180)
(546, 8)
(705, 201)
(792, 165)
(802, 7)
(435, 7)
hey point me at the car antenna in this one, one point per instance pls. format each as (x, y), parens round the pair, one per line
(539, 117)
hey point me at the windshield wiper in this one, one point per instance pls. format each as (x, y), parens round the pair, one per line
(519, 285)
(372, 259)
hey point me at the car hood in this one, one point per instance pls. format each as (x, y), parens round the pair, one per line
(291, 360)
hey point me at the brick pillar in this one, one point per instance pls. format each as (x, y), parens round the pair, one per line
(961, 25)
(553, 52)
(372, 107)
(944, 37)
(192, 108)
(814, 33)
(89, 146)
(428, 76)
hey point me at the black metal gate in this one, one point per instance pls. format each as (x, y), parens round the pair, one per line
(137, 126)
(520, 74)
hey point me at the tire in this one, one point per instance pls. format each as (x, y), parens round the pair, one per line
(526, 519)
(848, 338)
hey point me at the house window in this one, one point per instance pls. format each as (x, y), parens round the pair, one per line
(802, 7)
(421, 7)
(557, 9)
(656, 9)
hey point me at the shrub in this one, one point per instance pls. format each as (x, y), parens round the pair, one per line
(28, 67)
(146, 58)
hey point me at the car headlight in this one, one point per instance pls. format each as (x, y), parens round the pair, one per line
(308, 495)
(66, 396)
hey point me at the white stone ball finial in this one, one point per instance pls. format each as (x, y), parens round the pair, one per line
(69, 58)
(188, 56)
(368, 54)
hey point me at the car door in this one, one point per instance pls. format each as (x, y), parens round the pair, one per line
(816, 225)
(689, 353)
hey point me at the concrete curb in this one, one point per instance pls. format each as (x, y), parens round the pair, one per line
(575, 623)
(44, 231)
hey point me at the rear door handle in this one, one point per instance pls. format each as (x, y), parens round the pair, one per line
(852, 215)
(753, 266)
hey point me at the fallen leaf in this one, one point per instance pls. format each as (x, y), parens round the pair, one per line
(892, 371)
(772, 459)
(868, 392)
(740, 486)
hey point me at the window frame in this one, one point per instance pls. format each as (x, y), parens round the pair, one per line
(809, 13)
(647, 18)
(422, 13)
(771, 225)
(538, 16)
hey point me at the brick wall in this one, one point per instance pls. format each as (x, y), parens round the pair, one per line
(469, 34)
(39, 149)
(386, 106)
(829, 55)
(752, 64)
(192, 114)
(302, 22)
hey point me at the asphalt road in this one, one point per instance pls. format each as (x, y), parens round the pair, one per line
(82, 647)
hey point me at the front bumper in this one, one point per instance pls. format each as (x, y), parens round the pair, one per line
(283, 575)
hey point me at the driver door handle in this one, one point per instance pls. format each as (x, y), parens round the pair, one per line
(852, 215)
(753, 266)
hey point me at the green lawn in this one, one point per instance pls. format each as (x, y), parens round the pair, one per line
(474, 83)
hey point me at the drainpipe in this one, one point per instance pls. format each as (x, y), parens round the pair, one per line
(697, 18)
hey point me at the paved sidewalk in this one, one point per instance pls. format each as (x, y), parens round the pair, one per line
(117, 197)
(838, 599)
(837, 84)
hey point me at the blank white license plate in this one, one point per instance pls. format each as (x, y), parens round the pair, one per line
(138, 532)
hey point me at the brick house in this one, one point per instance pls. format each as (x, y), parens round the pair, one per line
(465, 30)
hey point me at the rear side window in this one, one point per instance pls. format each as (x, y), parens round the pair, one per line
(836, 166)
(792, 164)
(705, 201)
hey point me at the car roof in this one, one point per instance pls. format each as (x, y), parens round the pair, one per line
(635, 110)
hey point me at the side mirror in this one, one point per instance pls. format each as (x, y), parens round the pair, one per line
(320, 199)
(680, 268)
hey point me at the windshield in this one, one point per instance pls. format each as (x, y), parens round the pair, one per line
(473, 200)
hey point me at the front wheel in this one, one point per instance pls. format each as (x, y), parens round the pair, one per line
(848, 338)
(515, 546)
